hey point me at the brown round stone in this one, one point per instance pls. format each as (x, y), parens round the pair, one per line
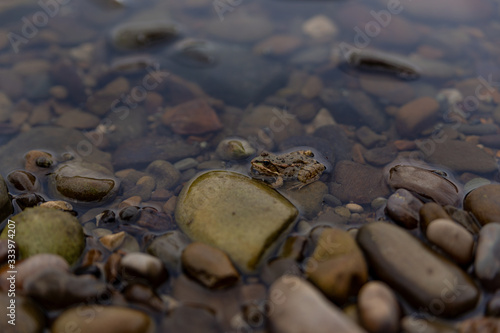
(484, 203)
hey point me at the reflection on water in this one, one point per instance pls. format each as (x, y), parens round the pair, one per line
(136, 98)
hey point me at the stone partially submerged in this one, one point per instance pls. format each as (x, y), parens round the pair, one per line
(232, 212)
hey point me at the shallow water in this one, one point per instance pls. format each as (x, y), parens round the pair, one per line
(116, 71)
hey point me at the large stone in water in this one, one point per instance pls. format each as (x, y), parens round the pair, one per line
(55, 140)
(234, 213)
(48, 230)
(425, 279)
(484, 203)
(237, 77)
(459, 156)
(81, 182)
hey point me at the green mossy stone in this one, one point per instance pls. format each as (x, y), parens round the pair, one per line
(47, 230)
(242, 217)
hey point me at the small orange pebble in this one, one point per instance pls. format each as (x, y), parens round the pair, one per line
(405, 145)
(430, 52)
(497, 154)
(472, 139)
(357, 153)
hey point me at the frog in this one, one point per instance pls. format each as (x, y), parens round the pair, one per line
(297, 166)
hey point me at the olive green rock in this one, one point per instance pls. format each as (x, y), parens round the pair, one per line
(48, 230)
(103, 319)
(5, 204)
(234, 213)
(430, 282)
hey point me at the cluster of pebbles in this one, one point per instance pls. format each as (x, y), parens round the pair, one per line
(137, 213)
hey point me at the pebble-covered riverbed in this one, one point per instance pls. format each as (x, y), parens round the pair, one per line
(249, 166)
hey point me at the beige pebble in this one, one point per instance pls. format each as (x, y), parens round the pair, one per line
(113, 241)
(132, 201)
(452, 238)
(169, 206)
(320, 27)
(342, 211)
(354, 208)
(59, 204)
(378, 308)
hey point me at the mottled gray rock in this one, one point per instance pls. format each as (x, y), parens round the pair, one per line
(421, 276)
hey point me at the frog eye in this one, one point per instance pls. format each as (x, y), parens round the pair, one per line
(266, 163)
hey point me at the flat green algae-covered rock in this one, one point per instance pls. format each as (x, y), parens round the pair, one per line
(48, 230)
(234, 213)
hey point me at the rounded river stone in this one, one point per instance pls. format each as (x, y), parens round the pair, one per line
(103, 319)
(83, 182)
(47, 230)
(484, 203)
(234, 213)
(430, 282)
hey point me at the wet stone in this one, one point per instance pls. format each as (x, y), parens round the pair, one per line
(493, 306)
(404, 208)
(240, 77)
(234, 213)
(5, 204)
(337, 265)
(168, 248)
(142, 35)
(358, 183)
(305, 310)
(464, 218)
(308, 199)
(484, 203)
(416, 115)
(209, 266)
(46, 230)
(378, 308)
(78, 119)
(110, 319)
(185, 318)
(424, 182)
(368, 137)
(54, 139)
(450, 154)
(194, 117)
(234, 149)
(487, 261)
(23, 181)
(55, 289)
(365, 108)
(452, 238)
(135, 266)
(418, 274)
(29, 317)
(83, 182)
(479, 325)
(148, 149)
(380, 156)
(429, 212)
(165, 174)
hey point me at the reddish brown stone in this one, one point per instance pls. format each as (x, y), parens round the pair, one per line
(193, 117)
